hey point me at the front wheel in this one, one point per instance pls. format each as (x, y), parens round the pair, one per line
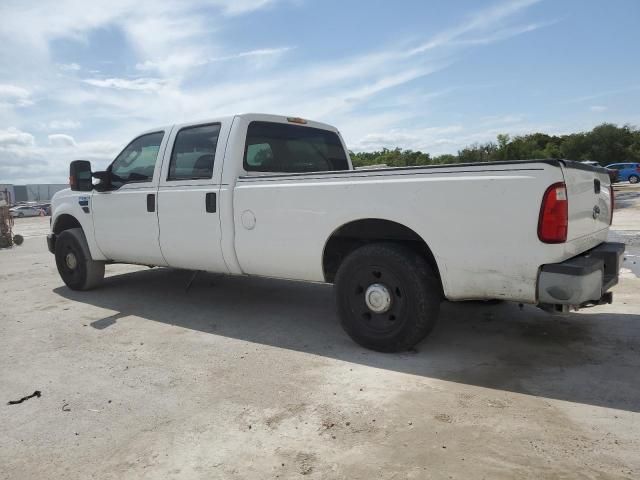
(73, 259)
(634, 178)
(388, 297)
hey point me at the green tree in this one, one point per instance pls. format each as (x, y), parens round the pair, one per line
(607, 143)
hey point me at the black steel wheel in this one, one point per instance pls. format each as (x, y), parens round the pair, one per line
(75, 265)
(388, 297)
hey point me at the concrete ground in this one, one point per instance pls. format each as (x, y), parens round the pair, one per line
(243, 378)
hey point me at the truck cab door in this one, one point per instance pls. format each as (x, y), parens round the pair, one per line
(125, 217)
(189, 197)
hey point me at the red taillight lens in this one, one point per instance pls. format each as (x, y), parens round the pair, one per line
(613, 203)
(554, 214)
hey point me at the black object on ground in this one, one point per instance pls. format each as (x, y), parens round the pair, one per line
(37, 393)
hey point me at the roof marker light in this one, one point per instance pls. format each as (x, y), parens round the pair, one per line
(299, 120)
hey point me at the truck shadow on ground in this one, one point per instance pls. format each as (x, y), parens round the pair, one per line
(590, 358)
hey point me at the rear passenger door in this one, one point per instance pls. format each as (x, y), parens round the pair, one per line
(188, 197)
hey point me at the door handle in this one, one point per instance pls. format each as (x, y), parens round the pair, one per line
(210, 202)
(151, 202)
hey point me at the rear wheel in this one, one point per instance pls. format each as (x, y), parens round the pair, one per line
(75, 265)
(634, 178)
(388, 297)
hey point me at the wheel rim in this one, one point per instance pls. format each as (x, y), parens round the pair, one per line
(377, 299)
(71, 261)
(633, 180)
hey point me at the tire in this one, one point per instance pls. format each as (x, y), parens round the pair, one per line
(392, 272)
(75, 265)
(20, 214)
(634, 178)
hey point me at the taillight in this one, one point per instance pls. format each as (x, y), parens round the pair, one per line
(554, 214)
(613, 203)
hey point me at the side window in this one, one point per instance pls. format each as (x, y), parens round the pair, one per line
(283, 148)
(194, 153)
(137, 162)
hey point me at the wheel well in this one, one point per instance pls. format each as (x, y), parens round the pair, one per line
(353, 235)
(65, 222)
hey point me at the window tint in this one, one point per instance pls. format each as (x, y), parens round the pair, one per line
(137, 161)
(259, 154)
(194, 152)
(278, 147)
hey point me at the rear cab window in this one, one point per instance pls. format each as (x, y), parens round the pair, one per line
(283, 148)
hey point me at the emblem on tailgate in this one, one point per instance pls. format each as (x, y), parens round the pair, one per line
(596, 212)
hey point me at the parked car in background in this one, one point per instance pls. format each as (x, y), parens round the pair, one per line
(45, 207)
(24, 211)
(627, 172)
(613, 175)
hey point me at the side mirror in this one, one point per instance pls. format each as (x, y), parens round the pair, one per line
(80, 176)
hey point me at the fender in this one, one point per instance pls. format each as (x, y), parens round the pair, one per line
(406, 230)
(78, 206)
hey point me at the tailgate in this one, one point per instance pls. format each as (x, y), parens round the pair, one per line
(589, 195)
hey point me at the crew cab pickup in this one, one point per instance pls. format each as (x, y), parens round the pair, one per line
(277, 196)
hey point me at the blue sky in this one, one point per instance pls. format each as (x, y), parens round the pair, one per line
(79, 79)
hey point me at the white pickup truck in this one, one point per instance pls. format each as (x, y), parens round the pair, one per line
(278, 197)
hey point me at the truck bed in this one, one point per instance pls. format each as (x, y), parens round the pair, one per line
(479, 220)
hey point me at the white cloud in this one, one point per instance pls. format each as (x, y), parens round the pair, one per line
(503, 34)
(597, 108)
(63, 125)
(23, 160)
(61, 140)
(606, 93)
(139, 84)
(183, 61)
(178, 53)
(409, 138)
(14, 137)
(69, 67)
(238, 7)
(483, 21)
(15, 95)
(262, 52)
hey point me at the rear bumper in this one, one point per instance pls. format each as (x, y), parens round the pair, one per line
(583, 280)
(51, 243)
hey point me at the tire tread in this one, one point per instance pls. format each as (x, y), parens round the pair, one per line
(427, 293)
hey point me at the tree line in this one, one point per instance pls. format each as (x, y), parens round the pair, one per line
(607, 143)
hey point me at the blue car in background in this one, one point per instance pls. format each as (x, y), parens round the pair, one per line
(627, 172)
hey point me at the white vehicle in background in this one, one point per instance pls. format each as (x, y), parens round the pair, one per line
(278, 197)
(24, 211)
